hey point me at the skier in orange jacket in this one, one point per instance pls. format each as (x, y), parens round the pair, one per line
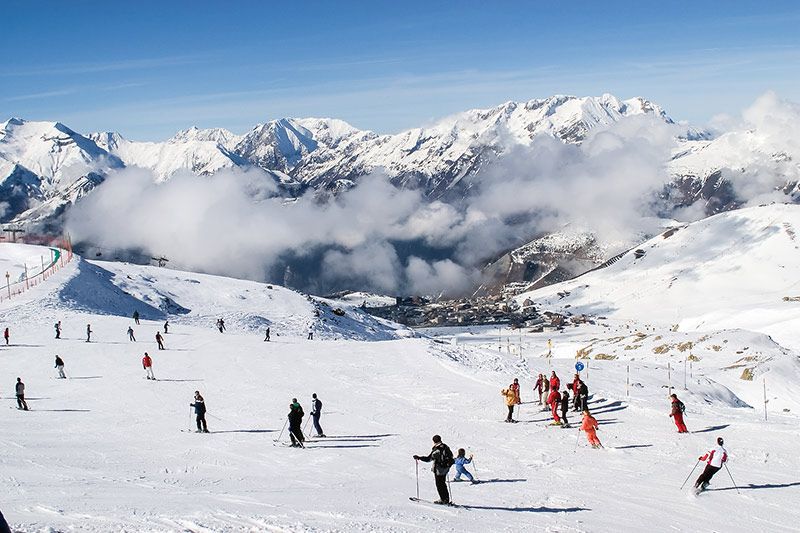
(590, 426)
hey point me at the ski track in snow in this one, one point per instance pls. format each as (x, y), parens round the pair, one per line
(108, 450)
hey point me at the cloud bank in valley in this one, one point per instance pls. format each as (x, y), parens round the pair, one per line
(375, 235)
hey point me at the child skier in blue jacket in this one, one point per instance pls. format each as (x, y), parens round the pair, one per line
(462, 460)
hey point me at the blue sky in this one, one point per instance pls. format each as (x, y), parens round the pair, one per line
(148, 69)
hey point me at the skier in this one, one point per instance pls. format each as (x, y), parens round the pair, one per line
(160, 340)
(147, 364)
(136, 317)
(166, 327)
(576, 390)
(130, 334)
(266, 337)
(515, 388)
(58, 329)
(442, 457)
(677, 413)
(6, 334)
(200, 412)
(60, 367)
(714, 458)
(590, 426)
(20, 388)
(460, 461)
(564, 408)
(555, 383)
(511, 400)
(583, 396)
(88, 332)
(221, 325)
(553, 400)
(539, 387)
(295, 424)
(311, 333)
(316, 412)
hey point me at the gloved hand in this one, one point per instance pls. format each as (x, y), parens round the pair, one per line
(699, 458)
(416, 457)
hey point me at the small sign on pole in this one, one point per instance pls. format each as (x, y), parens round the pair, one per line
(578, 366)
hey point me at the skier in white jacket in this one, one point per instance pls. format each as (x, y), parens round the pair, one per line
(714, 458)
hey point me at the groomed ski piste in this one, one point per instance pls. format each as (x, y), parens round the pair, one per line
(108, 450)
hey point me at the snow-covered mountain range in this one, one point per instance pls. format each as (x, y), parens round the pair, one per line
(42, 162)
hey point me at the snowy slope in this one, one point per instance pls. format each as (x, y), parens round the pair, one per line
(104, 451)
(730, 262)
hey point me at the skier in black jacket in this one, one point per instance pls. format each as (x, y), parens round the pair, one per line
(295, 423)
(583, 397)
(316, 412)
(200, 410)
(564, 408)
(20, 390)
(60, 368)
(442, 457)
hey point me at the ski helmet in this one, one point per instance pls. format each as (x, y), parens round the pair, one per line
(719, 441)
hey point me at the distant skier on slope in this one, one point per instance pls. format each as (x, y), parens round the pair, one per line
(583, 396)
(160, 340)
(221, 325)
(515, 389)
(88, 333)
(136, 317)
(58, 329)
(147, 364)
(590, 426)
(555, 383)
(678, 408)
(266, 337)
(310, 333)
(460, 461)
(20, 390)
(539, 387)
(576, 392)
(564, 408)
(714, 458)
(511, 401)
(553, 400)
(166, 327)
(130, 334)
(200, 412)
(6, 335)
(295, 423)
(442, 457)
(316, 412)
(60, 367)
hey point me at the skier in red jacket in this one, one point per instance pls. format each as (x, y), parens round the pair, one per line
(555, 383)
(147, 364)
(677, 413)
(553, 400)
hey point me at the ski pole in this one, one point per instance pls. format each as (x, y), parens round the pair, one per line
(416, 463)
(577, 440)
(282, 429)
(475, 468)
(190, 416)
(732, 481)
(305, 426)
(690, 475)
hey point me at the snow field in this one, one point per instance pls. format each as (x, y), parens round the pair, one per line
(108, 450)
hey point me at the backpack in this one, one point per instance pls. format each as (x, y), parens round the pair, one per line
(681, 406)
(445, 458)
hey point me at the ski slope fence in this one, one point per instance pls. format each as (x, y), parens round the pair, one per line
(60, 255)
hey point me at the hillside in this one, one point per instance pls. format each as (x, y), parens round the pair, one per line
(106, 449)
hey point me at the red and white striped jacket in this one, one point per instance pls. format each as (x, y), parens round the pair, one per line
(715, 457)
